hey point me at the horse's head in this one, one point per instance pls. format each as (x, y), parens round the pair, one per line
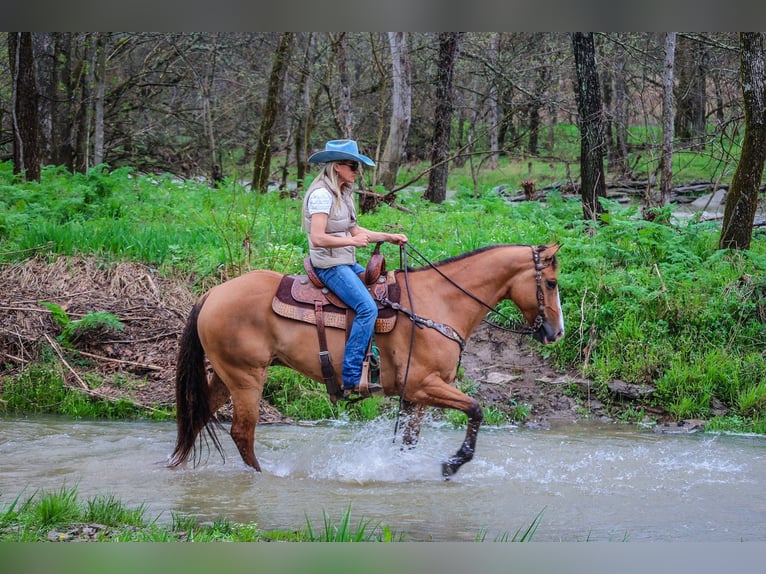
(539, 299)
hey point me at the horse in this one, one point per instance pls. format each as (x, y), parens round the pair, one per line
(232, 336)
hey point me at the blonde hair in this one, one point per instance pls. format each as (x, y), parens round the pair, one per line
(328, 174)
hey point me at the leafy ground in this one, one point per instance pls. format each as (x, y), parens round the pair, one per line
(137, 363)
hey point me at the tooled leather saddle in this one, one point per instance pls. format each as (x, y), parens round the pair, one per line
(304, 298)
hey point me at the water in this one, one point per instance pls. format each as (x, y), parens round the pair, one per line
(590, 482)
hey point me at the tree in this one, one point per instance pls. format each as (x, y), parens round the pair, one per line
(302, 112)
(668, 117)
(345, 123)
(494, 120)
(262, 162)
(742, 198)
(84, 112)
(74, 84)
(691, 98)
(619, 151)
(205, 82)
(98, 104)
(542, 79)
(592, 184)
(24, 116)
(449, 47)
(401, 109)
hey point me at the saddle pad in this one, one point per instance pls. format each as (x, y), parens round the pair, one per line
(284, 304)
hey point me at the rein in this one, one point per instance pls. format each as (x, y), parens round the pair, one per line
(514, 326)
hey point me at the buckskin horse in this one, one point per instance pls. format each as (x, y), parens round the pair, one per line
(242, 326)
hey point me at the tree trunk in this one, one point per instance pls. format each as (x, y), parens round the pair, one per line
(83, 116)
(61, 96)
(98, 107)
(742, 198)
(302, 113)
(26, 143)
(620, 116)
(344, 112)
(401, 110)
(506, 138)
(42, 48)
(494, 119)
(449, 47)
(208, 105)
(691, 98)
(542, 81)
(590, 122)
(668, 119)
(262, 162)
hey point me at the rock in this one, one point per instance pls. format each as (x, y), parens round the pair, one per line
(498, 378)
(56, 536)
(685, 426)
(630, 390)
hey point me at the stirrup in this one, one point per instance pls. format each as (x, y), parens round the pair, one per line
(365, 388)
(362, 391)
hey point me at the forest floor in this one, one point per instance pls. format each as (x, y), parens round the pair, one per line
(138, 362)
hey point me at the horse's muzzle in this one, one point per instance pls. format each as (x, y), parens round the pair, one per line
(547, 334)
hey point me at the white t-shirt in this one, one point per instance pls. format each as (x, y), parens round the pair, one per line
(320, 201)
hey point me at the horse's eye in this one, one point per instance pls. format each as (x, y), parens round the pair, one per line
(550, 283)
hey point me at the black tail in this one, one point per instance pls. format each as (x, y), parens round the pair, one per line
(192, 406)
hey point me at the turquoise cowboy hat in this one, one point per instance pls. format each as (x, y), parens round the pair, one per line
(335, 150)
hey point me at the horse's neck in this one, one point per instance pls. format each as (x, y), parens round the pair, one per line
(485, 276)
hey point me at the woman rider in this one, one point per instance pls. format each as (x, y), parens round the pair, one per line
(329, 216)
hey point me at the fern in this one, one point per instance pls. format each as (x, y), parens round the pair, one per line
(57, 313)
(71, 331)
(93, 321)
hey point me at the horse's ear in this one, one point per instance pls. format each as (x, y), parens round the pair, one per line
(549, 251)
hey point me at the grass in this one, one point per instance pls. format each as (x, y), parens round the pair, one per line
(645, 302)
(342, 530)
(521, 535)
(62, 515)
(40, 388)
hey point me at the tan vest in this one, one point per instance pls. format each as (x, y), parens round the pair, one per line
(341, 219)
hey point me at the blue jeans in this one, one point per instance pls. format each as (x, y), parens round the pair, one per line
(345, 283)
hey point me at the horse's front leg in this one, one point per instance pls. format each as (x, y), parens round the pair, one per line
(413, 416)
(434, 391)
(465, 453)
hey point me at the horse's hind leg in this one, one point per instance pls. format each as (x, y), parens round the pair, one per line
(413, 420)
(246, 401)
(243, 433)
(217, 392)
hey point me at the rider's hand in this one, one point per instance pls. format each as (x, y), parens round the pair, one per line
(361, 240)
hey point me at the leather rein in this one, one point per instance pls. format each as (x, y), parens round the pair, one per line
(451, 333)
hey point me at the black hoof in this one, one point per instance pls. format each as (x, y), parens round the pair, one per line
(449, 468)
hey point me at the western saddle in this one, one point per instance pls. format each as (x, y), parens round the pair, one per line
(305, 298)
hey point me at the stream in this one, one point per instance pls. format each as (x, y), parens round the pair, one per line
(589, 481)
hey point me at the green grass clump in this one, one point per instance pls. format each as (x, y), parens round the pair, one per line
(62, 516)
(342, 530)
(40, 388)
(521, 535)
(300, 398)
